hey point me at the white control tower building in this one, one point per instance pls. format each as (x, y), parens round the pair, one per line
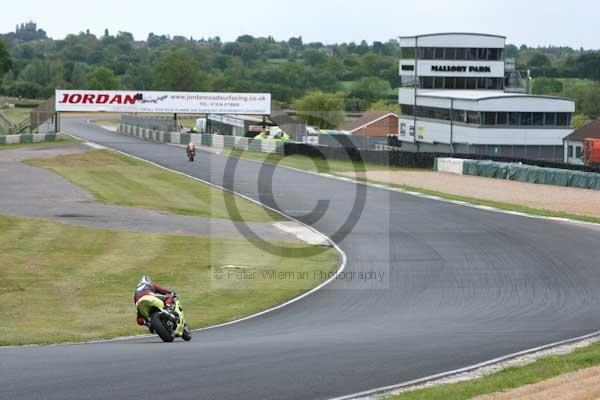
(459, 94)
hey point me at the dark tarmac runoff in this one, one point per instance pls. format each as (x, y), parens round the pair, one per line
(460, 286)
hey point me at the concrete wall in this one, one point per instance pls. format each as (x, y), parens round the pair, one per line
(30, 138)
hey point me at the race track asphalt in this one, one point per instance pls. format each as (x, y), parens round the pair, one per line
(460, 286)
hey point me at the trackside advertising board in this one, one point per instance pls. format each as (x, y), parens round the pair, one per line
(124, 101)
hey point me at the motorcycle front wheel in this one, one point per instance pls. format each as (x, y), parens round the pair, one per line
(161, 328)
(187, 335)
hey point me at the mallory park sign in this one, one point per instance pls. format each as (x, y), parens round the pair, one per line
(460, 68)
(162, 102)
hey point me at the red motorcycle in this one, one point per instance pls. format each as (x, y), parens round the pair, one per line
(191, 152)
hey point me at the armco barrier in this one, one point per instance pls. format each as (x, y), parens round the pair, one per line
(219, 141)
(33, 138)
(520, 172)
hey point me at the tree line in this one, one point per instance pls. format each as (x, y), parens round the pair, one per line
(287, 69)
(359, 76)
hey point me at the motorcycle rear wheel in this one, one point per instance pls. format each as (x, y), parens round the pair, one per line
(160, 328)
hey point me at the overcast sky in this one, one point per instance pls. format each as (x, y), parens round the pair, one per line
(533, 22)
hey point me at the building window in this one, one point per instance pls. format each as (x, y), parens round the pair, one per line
(460, 83)
(489, 118)
(407, 53)
(550, 119)
(473, 117)
(480, 83)
(453, 53)
(425, 112)
(502, 118)
(450, 53)
(538, 119)
(407, 110)
(427, 82)
(441, 114)
(461, 54)
(459, 116)
(471, 83)
(514, 119)
(563, 119)
(471, 54)
(571, 151)
(578, 152)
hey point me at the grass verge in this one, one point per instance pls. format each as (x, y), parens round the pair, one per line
(39, 145)
(65, 283)
(490, 203)
(117, 179)
(311, 164)
(340, 167)
(510, 378)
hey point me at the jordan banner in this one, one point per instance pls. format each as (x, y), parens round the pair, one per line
(123, 101)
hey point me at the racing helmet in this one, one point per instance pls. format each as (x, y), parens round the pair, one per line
(145, 280)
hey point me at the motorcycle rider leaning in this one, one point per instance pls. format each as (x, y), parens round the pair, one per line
(146, 287)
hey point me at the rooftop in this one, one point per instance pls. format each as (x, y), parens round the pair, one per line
(590, 131)
(453, 33)
(476, 95)
(366, 120)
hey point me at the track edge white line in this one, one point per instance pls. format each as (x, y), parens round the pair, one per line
(341, 264)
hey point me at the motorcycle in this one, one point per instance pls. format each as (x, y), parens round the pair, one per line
(191, 153)
(166, 320)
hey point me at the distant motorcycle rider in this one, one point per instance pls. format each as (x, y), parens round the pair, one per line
(191, 151)
(146, 287)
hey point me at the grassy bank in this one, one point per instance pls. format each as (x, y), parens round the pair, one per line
(58, 142)
(341, 168)
(510, 378)
(311, 164)
(117, 179)
(65, 283)
(491, 203)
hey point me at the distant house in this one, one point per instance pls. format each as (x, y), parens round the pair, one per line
(377, 123)
(574, 143)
